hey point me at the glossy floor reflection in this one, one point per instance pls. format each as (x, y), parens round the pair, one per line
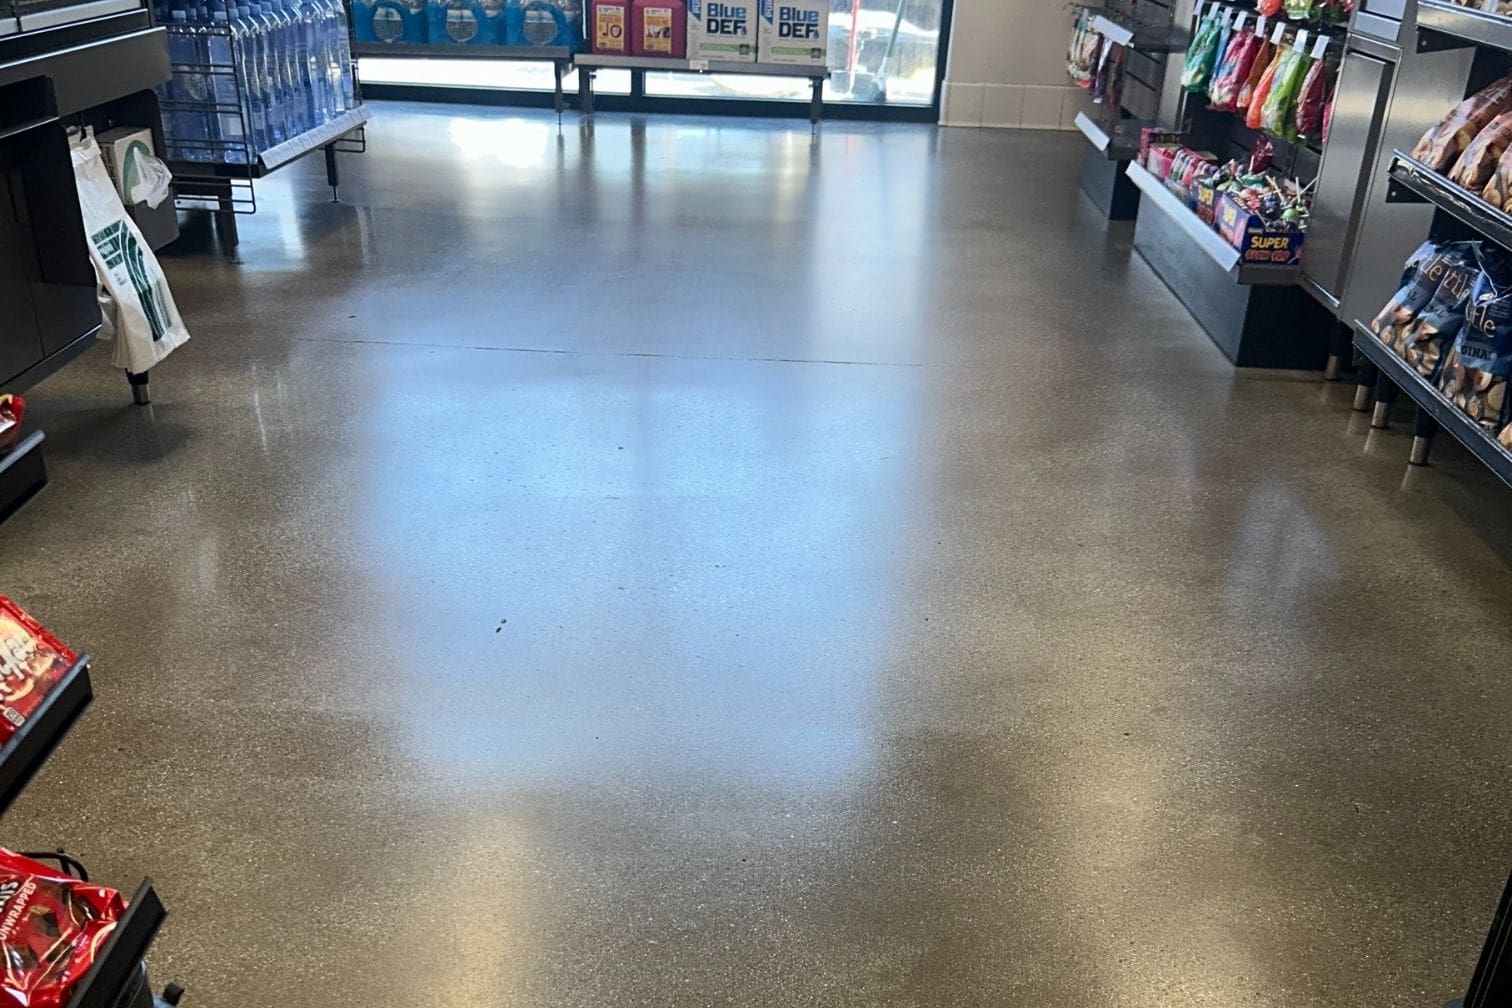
(687, 562)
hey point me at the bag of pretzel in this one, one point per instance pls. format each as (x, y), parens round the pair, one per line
(1420, 279)
(1422, 343)
(1443, 144)
(1477, 164)
(1474, 375)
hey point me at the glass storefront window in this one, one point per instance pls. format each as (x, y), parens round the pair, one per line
(882, 52)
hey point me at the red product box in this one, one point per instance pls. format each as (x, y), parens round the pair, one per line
(52, 926)
(32, 662)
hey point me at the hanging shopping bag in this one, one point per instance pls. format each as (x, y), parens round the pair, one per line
(138, 310)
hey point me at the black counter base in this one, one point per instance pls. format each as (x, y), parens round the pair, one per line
(1106, 185)
(23, 474)
(1254, 326)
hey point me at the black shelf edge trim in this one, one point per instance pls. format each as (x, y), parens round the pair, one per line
(26, 751)
(117, 963)
(1453, 199)
(1466, 431)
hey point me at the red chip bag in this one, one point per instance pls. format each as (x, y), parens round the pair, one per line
(32, 661)
(51, 928)
(12, 409)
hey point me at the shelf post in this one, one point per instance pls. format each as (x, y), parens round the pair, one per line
(1364, 383)
(141, 394)
(559, 102)
(333, 175)
(1385, 395)
(585, 90)
(1423, 429)
(816, 103)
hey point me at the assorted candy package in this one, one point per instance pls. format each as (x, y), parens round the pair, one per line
(1451, 320)
(32, 662)
(52, 927)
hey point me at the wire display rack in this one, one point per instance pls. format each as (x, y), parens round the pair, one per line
(220, 175)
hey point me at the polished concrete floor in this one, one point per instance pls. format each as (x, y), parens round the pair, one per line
(686, 562)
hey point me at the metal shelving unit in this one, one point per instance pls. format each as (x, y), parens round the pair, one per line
(1465, 23)
(587, 63)
(1417, 179)
(223, 178)
(1428, 399)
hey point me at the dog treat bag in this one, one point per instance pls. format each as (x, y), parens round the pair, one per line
(1442, 144)
(1474, 376)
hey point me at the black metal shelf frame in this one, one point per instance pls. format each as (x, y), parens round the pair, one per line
(25, 752)
(1425, 184)
(1433, 404)
(117, 967)
(1463, 24)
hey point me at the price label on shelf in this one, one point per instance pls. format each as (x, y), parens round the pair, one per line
(1212, 8)
(1276, 35)
(699, 64)
(1239, 21)
(1300, 42)
(1260, 25)
(1321, 46)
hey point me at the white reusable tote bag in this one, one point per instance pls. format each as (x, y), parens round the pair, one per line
(138, 309)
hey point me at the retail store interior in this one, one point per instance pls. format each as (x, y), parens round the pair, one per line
(673, 503)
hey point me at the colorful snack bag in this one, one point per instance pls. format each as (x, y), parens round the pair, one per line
(51, 928)
(1498, 191)
(1258, 65)
(12, 409)
(1232, 73)
(1253, 118)
(1201, 55)
(32, 662)
(1276, 111)
(1474, 376)
(1477, 165)
(1311, 99)
(1443, 143)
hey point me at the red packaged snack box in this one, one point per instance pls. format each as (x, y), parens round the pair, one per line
(32, 662)
(52, 926)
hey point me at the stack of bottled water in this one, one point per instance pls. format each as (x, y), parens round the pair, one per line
(249, 75)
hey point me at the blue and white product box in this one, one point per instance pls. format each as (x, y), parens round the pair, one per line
(793, 32)
(722, 30)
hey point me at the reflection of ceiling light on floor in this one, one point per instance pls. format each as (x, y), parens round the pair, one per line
(513, 142)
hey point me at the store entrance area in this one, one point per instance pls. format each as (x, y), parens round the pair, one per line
(678, 562)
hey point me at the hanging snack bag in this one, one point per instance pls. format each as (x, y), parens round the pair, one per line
(1262, 59)
(1269, 8)
(12, 409)
(1311, 99)
(1232, 73)
(1252, 117)
(1474, 375)
(1201, 55)
(1276, 111)
(51, 928)
(1423, 342)
(32, 662)
(1299, 10)
(1444, 143)
(1478, 163)
(1412, 293)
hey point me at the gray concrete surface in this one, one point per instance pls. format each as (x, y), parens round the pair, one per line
(686, 562)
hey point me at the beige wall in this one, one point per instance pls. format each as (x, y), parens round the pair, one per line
(1008, 65)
